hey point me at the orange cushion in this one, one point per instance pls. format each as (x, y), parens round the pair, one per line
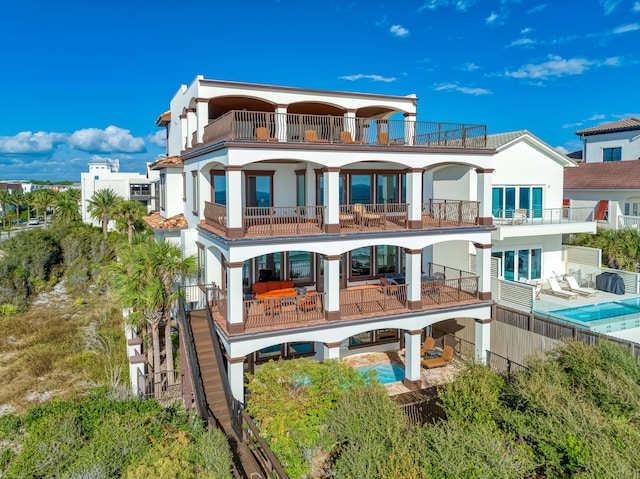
(273, 285)
(286, 284)
(260, 288)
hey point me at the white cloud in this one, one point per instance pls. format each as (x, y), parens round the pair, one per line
(562, 149)
(573, 125)
(399, 31)
(627, 115)
(524, 31)
(609, 5)
(632, 27)
(636, 7)
(27, 142)
(360, 76)
(522, 42)
(462, 89)
(537, 8)
(460, 5)
(111, 139)
(491, 18)
(469, 67)
(597, 116)
(158, 138)
(559, 67)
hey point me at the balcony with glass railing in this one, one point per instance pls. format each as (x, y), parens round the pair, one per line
(270, 127)
(542, 216)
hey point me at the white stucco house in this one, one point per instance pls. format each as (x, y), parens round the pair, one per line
(331, 223)
(607, 179)
(103, 174)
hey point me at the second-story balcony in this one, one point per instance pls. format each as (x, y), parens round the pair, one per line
(270, 127)
(521, 222)
(441, 287)
(285, 221)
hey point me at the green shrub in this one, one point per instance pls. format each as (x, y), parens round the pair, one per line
(10, 426)
(8, 309)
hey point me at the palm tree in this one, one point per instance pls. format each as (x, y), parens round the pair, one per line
(17, 199)
(67, 209)
(142, 280)
(28, 200)
(102, 206)
(129, 212)
(5, 199)
(44, 198)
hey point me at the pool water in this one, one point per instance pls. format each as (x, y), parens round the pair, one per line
(602, 317)
(386, 372)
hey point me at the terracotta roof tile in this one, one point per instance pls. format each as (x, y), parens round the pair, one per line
(620, 125)
(157, 222)
(169, 161)
(608, 175)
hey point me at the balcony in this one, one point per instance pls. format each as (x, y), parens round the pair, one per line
(271, 127)
(626, 221)
(446, 287)
(287, 221)
(545, 221)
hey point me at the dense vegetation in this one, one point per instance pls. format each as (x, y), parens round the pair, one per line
(61, 337)
(99, 437)
(574, 414)
(620, 248)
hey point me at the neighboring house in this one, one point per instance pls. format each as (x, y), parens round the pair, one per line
(607, 180)
(376, 225)
(105, 174)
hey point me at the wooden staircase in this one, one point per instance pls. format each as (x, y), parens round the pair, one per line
(214, 394)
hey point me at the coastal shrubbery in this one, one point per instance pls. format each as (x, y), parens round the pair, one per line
(573, 414)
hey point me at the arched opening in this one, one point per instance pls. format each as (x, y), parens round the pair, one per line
(220, 105)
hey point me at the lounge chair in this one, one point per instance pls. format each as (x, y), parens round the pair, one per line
(576, 288)
(556, 290)
(519, 217)
(537, 290)
(312, 137)
(443, 360)
(263, 135)
(365, 218)
(428, 345)
(383, 139)
(345, 137)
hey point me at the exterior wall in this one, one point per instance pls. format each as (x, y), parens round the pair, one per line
(454, 182)
(629, 141)
(454, 254)
(551, 250)
(617, 198)
(174, 205)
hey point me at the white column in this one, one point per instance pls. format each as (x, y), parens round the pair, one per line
(412, 342)
(483, 270)
(331, 178)
(183, 131)
(280, 118)
(235, 371)
(409, 128)
(331, 351)
(483, 339)
(332, 287)
(191, 126)
(202, 115)
(350, 123)
(414, 198)
(235, 316)
(413, 278)
(234, 197)
(485, 185)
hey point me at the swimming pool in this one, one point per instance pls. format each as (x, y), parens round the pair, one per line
(602, 317)
(386, 372)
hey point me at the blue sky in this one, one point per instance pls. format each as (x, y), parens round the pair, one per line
(82, 79)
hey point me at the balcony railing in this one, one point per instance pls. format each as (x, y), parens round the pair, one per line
(284, 221)
(543, 216)
(450, 213)
(625, 221)
(303, 128)
(260, 313)
(373, 299)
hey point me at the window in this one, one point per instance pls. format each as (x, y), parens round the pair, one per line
(259, 188)
(369, 338)
(163, 191)
(300, 266)
(195, 197)
(386, 259)
(374, 260)
(140, 189)
(201, 263)
(632, 208)
(184, 187)
(301, 178)
(519, 265)
(612, 154)
(286, 350)
(218, 187)
(506, 199)
(361, 262)
(356, 186)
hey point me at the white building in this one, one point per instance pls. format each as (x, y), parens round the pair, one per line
(607, 180)
(104, 173)
(339, 194)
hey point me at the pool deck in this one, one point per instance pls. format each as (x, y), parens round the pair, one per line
(429, 377)
(549, 302)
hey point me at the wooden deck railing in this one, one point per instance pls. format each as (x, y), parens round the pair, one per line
(386, 216)
(282, 220)
(304, 128)
(373, 299)
(449, 212)
(259, 313)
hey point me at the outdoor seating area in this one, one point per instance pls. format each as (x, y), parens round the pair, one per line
(439, 361)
